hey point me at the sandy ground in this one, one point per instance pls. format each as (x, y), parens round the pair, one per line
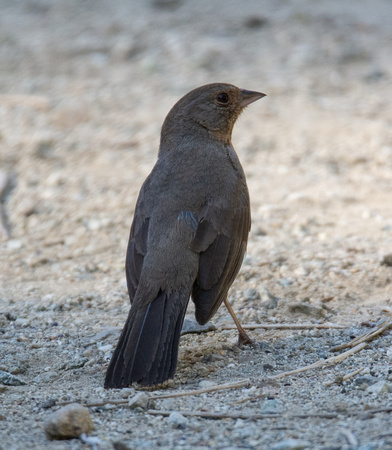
(84, 88)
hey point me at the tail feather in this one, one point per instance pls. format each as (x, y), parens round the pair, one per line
(148, 346)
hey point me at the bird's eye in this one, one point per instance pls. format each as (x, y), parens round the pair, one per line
(222, 98)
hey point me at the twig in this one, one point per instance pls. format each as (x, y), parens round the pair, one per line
(348, 434)
(219, 387)
(213, 415)
(283, 326)
(365, 337)
(248, 399)
(322, 363)
(102, 403)
(340, 379)
(235, 415)
(241, 415)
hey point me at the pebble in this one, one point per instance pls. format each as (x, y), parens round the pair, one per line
(140, 400)
(120, 446)
(127, 392)
(45, 377)
(285, 282)
(252, 294)
(14, 244)
(68, 422)
(177, 420)
(268, 301)
(366, 380)
(76, 364)
(10, 380)
(272, 406)
(48, 403)
(191, 326)
(381, 387)
(308, 310)
(291, 444)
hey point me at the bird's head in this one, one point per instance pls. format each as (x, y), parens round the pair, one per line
(213, 107)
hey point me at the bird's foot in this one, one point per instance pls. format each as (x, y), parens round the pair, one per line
(244, 339)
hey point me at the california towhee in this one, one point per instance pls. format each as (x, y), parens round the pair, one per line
(188, 235)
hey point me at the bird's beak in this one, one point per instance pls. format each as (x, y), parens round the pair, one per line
(249, 97)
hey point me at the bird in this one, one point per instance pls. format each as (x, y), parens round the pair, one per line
(188, 236)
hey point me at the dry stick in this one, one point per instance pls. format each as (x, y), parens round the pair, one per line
(248, 399)
(322, 363)
(240, 415)
(283, 326)
(220, 387)
(348, 434)
(235, 415)
(340, 379)
(237, 385)
(330, 383)
(365, 337)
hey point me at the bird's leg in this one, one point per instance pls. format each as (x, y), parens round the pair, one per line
(243, 338)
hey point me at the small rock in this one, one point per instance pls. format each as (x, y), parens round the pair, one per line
(120, 446)
(76, 364)
(166, 4)
(381, 387)
(251, 294)
(268, 300)
(46, 377)
(366, 380)
(213, 357)
(10, 380)
(191, 326)
(254, 22)
(285, 282)
(272, 406)
(105, 348)
(68, 422)
(140, 400)
(387, 260)
(127, 392)
(14, 244)
(291, 444)
(308, 310)
(177, 420)
(48, 403)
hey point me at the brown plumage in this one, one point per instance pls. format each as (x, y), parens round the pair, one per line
(188, 235)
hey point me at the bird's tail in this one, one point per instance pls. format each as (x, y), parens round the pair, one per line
(148, 347)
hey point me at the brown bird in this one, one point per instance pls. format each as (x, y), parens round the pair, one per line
(188, 236)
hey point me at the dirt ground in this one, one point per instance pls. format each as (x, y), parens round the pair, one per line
(84, 88)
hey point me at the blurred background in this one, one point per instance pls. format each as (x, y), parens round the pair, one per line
(84, 88)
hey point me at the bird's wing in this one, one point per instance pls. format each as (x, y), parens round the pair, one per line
(136, 251)
(221, 240)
